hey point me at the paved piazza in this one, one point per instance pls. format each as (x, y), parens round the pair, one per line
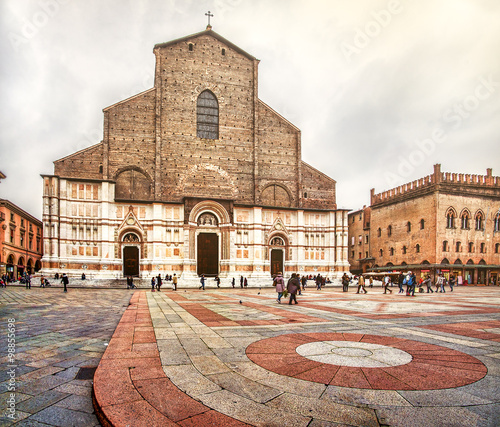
(235, 357)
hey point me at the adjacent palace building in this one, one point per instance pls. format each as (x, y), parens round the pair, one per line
(20, 240)
(194, 176)
(445, 222)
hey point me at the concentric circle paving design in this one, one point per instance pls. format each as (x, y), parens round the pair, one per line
(383, 363)
(357, 354)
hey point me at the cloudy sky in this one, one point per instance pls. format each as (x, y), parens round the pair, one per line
(381, 89)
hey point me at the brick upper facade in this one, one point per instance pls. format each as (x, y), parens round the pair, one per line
(195, 171)
(151, 138)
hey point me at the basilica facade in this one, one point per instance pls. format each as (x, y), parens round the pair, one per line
(194, 176)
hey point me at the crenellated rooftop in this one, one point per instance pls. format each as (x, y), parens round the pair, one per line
(429, 182)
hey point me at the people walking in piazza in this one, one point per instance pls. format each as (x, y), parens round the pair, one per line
(292, 287)
(387, 283)
(303, 281)
(361, 284)
(65, 282)
(451, 282)
(371, 281)
(318, 282)
(241, 282)
(428, 282)
(345, 282)
(153, 283)
(245, 282)
(217, 280)
(174, 282)
(233, 282)
(279, 282)
(202, 281)
(440, 283)
(412, 282)
(401, 279)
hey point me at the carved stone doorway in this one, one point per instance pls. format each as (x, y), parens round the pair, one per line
(131, 261)
(208, 254)
(276, 261)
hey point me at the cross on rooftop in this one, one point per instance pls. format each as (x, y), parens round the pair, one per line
(209, 16)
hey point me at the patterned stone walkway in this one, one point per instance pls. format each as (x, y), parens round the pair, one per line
(55, 335)
(233, 357)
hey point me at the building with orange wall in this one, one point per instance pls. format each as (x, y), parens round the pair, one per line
(20, 241)
(444, 222)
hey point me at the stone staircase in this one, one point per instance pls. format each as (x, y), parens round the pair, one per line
(145, 283)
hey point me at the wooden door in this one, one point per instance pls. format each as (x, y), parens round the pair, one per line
(208, 254)
(276, 261)
(131, 261)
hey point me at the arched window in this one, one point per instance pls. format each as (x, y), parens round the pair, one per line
(381, 252)
(496, 222)
(389, 230)
(479, 220)
(458, 247)
(408, 226)
(417, 248)
(471, 247)
(465, 220)
(404, 250)
(482, 248)
(392, 251)
(450, 218)
(207, 116)
(379, 232)
(422, 224)
(497, 248)
(445, 246)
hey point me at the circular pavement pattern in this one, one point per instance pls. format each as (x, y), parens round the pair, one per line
(357, 354)
(366, 361)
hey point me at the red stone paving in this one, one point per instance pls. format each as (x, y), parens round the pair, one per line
(130, 386)
(432, 367)
(465, 311)
(470, 329)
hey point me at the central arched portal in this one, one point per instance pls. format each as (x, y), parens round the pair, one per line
(208, 254)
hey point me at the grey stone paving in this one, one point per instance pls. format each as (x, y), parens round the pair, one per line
(55, 335)
(210, 364)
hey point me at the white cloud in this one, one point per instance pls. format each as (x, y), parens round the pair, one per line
(63, 61)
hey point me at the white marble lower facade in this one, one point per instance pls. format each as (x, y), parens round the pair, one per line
(87, 231)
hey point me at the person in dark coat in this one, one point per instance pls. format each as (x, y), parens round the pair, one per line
(293, 287)
(65, 282)
(345, 282)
